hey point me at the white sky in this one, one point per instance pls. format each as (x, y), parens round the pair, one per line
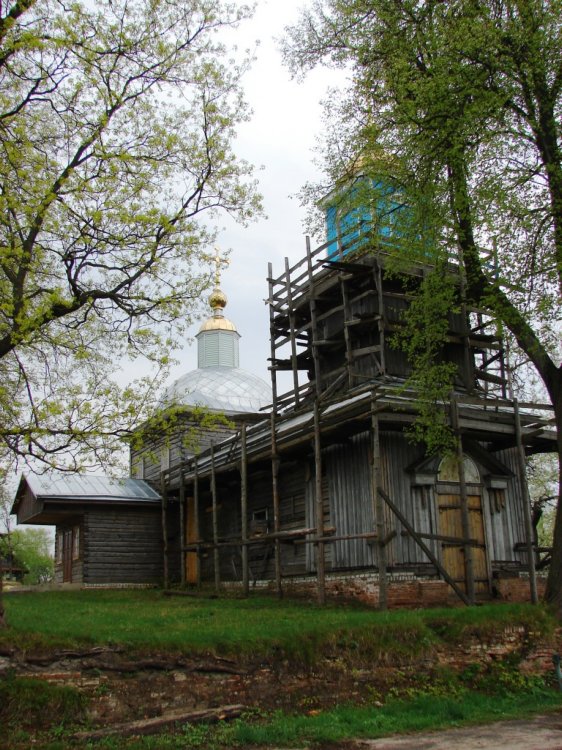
(280, 137)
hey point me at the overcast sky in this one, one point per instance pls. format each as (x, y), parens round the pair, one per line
(280, 138)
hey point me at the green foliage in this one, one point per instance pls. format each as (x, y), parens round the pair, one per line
(32, 548)
(118, 121)
(502, 678)
(543, 491)
(28, 703)
(423, 340)
(172, 421)
(456, 625)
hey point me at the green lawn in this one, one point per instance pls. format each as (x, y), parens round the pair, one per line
(258, 625)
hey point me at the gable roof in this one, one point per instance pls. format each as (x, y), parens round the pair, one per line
(81, 488)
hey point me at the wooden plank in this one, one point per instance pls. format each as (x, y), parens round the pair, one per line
(216, 558)
(319, 507)
(407, 525)
(165, 721)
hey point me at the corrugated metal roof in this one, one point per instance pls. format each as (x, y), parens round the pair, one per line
(62, 485)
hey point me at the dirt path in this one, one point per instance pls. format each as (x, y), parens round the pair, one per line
(539, 733)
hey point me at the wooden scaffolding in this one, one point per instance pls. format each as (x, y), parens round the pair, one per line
(331, 319)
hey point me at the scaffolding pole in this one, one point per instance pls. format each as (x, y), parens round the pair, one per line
(275, 462)
(465, 512)
(182, 528)
(216, 558)
(526, 503)
(164, 520)
(244, 509)
(378, 509)
(196, 521)
(319, 508)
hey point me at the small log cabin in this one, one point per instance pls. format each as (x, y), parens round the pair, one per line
(107, 530)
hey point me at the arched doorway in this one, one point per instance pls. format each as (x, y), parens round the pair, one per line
(449, 507)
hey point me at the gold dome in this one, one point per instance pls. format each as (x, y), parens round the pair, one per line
(217, 299)
(217, 323)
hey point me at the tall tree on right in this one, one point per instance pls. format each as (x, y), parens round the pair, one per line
(460, 104)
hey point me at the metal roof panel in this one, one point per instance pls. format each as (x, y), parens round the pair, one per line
(62, 485)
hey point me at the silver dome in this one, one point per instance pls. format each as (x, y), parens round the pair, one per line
(225, 389)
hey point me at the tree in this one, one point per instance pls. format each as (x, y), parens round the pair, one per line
(116, 126)
(31, 548)
(460, 104)
(5, 527)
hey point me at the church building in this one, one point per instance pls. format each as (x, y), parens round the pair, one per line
(320, 491)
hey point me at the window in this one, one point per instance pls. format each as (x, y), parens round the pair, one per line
(164, 458)
(449, 470)
(259, 523)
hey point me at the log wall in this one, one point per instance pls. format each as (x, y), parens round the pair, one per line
(122, 546)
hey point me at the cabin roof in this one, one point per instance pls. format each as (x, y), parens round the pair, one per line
(87, 488)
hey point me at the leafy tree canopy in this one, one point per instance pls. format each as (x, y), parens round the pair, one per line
(117, 121)
(458, 106)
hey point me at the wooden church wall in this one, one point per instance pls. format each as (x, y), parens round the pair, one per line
(348, 470)
(348, 509)
(292, 507)
(506, 514)
(159, 454)
(415, 502)
(365, 336)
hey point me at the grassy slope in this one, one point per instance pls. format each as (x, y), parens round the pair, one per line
(265, 627)
(259, 625)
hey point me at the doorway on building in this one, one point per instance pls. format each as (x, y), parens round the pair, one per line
(449, 509)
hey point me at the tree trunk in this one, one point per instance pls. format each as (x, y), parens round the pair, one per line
(480, 290)
(553, 593)
(3, 622)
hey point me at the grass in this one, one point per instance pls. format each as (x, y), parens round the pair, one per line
(259, 626)
(417, 714)
(263, 627)
(26, 703)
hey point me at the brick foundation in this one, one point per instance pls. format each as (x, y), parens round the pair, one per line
(404, 591)
(517, 589)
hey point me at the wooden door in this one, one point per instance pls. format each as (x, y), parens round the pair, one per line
(192, 536)
(67, 556)
(450, 525)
